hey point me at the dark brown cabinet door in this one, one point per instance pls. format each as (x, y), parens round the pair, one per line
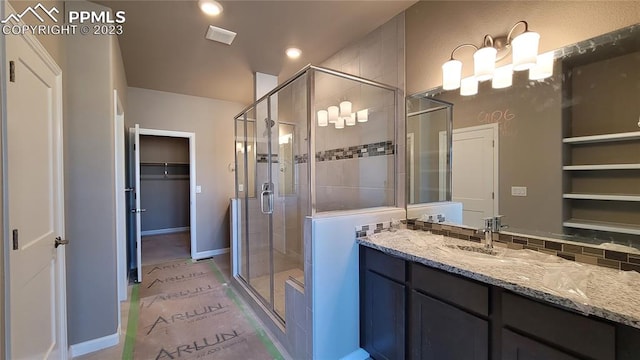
(441, 331)
(517, 347)
(384, 314)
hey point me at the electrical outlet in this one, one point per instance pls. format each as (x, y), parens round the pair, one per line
(518, 191)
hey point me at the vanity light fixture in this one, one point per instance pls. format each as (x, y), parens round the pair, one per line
(210, 7)
(524, 56)
(341, 116)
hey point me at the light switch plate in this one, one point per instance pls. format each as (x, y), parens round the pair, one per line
(518, 191)
(198, 189)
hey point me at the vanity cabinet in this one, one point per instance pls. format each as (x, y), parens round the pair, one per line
(448, 316)
(382, 305)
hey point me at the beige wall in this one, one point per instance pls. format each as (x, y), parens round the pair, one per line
(212, 122)
(434, 28)
(93, 70)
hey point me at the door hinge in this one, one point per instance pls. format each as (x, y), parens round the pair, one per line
(134, 147)
(12, 71)
(16, 245)
(493, 195)
(493, 143)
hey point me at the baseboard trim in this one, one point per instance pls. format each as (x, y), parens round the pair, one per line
(90, 346)
(207, 254)
(164, 231)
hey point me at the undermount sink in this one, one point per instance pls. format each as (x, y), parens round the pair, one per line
(476, 249)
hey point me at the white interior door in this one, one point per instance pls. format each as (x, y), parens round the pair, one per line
(137, 210)
(121, 204)
(474, 162)
(36, 300)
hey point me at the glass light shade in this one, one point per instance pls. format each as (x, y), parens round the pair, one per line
(345, 109)
(333, 112)
(469, 86)
(451, 74)
(543, 68)
(350, 120)
(502, 77)
(363, 115)
(323, 118)
(484, 62)
(340, 123)
(525, 50)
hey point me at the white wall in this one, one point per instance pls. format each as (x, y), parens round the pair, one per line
(212, 122)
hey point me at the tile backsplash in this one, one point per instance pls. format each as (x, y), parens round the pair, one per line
(598, 256)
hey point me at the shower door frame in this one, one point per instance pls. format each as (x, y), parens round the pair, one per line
(309, 71)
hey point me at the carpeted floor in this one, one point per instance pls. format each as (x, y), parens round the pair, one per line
(185, 310)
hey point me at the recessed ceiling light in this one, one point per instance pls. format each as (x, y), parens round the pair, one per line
(210, 7)
(293, 53)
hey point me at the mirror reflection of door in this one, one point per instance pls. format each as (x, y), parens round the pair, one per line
(474, 151)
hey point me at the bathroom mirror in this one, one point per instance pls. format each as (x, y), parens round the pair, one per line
(558, 157)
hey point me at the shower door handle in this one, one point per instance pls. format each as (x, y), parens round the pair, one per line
(269, 195)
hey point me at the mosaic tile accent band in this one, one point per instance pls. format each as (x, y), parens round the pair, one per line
(581, 253)
(351, 152)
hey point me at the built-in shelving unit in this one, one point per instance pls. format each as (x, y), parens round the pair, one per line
(610, 197)
(602, 167)
(602, 226)
(576, 199)
(164, 171)
(628, 136)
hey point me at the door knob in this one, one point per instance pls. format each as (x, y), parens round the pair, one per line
(59, 242)
(138, 210)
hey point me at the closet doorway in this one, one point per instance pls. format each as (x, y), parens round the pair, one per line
(165, 219)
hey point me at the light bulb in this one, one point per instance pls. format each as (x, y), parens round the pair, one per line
(451, 74)
(484, 62)
(345, 109)
(210, 7)
(340, 123)
(468, 86)
(525, 50)
(333, 112)
(543, 68)
(323, 118)
(502, 77)
(363, 115)
(350, 120)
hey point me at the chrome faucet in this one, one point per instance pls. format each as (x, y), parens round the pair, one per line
(491, 225)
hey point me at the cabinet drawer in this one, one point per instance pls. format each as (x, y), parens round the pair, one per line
(387, 265)
(455, 290)
(567, 330)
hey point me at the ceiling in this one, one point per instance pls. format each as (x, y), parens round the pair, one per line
(163, 45)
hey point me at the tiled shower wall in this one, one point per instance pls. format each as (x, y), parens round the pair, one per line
(369, 181)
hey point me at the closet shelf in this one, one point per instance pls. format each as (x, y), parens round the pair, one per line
(164, 177)
(634, 135)
(613, 197)
(162, 163)
(603, 167)
(602, 226)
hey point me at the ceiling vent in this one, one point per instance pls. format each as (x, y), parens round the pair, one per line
(220, 35)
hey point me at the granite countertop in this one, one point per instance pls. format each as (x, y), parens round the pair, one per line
(592, 290)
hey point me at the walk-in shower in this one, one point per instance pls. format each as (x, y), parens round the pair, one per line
(348, 125)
